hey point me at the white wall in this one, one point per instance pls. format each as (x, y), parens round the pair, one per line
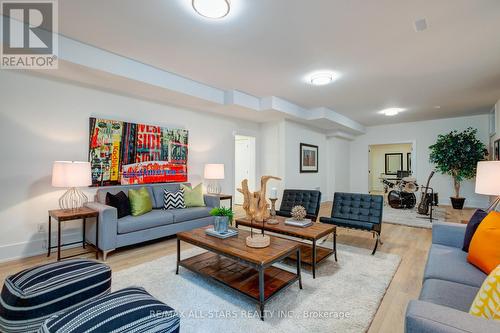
(338, 167)
(244, 164)
(272, 158)
(424, 134)
(43, 120)
(295, 134)
(281, 157)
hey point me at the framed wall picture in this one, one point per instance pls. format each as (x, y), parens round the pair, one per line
(393, 163)
(122, 153)
(308, 158)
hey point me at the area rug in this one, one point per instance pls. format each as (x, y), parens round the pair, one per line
(411, 218)
(344, 297)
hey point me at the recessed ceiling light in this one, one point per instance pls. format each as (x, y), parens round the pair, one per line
(420, 25)
(437, 106)
(391, 111)
(214, 9)
(321, 78)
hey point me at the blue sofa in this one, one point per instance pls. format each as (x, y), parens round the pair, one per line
(449, 287)
(115, 233)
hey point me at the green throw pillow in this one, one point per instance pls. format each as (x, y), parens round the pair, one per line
(140, 201)
(193, 197)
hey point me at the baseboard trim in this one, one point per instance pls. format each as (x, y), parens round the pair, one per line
(36, 246)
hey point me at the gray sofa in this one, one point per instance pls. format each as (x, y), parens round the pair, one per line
(449, 288)
(115, 233)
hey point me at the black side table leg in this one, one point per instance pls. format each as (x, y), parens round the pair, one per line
(299, 262)
(83, 232)
(178, 255)
(335, 243)
(58, 240)
(261, 292)
(96, 237)
(314, 258)
(49, 243)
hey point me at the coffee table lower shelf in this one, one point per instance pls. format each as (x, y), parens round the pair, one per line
(307, 254)
(239, 276)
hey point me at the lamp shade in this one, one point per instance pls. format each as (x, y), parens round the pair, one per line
(488, 178)
(214, 171)
(71, 174)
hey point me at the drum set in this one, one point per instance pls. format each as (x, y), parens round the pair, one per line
(401, 194)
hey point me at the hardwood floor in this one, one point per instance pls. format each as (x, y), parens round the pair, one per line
(412, 244)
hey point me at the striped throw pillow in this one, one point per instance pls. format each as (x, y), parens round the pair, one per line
(130, 310)
(173, 200)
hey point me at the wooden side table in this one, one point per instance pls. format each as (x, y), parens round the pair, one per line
(63, 215)
(226, 197)
(223, 197)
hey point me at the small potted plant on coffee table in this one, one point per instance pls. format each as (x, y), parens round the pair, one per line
(223, 216)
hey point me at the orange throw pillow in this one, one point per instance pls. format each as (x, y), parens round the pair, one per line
(484, 250)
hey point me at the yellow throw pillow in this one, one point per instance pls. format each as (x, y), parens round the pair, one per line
(140, 201)
(193, 197)
(487, 301)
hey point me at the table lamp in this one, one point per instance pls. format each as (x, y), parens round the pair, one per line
(71, 175)
(488, 180)
(214, 173)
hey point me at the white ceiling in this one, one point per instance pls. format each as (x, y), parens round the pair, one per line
(266, 47)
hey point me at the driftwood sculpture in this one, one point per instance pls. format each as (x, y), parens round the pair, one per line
(256, 208)
(255, 203)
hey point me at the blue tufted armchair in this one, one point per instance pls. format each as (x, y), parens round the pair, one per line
(309, 199)
(357, 211)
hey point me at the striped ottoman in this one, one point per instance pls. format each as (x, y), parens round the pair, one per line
(127, 310)
(31, 296)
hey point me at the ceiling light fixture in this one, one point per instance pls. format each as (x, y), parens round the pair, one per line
(213, 9)
(391, 111)
(322, 78)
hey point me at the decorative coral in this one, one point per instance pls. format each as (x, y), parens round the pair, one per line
(299, 213)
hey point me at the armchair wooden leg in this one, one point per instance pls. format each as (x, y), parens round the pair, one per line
(376, 242)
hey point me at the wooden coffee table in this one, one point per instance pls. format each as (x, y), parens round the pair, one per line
(311, 253)
(247, 270)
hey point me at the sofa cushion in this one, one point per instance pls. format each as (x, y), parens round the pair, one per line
(173, 200)
(450, 264)
(347, 223)
(158, 192)
(193, 196)
(451, 294)
(101, 192)
(474, 222)
(188, 214)
(141, 201)
(155, 218)
(121, 202)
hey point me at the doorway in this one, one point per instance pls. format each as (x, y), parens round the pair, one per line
(389, 162)
(244, 164)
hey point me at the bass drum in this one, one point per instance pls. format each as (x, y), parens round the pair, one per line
(401, 200)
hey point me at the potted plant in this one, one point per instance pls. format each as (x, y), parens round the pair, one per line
(222, 217)
(456, 154)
